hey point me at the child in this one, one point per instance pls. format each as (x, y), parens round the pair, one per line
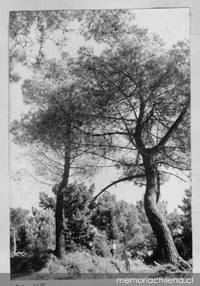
(113, 249)
(128, 261)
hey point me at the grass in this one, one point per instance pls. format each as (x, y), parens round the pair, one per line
(75, 265)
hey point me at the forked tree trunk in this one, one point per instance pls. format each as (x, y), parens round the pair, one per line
(166, 249)
(59, 213)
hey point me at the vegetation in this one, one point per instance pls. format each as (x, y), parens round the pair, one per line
(92, 236)
(126, 108)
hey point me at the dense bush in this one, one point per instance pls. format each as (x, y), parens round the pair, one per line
(94, 231)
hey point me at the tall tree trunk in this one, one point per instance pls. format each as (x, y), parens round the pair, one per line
(166, 249)
(59, 217)
(14, 242)
(59, 213)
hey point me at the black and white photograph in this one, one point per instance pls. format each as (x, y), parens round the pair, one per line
(100, 143)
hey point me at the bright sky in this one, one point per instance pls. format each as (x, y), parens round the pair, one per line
(172, 25)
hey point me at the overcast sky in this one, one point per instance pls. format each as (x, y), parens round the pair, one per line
(172, 25)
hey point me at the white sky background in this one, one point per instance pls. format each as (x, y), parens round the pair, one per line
(172, 25)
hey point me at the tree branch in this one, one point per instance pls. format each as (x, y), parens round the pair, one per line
(114, 183)
(44, 183)
(109, 159)
(120, 90)
(123, 119)
(172, 166)
(166, 137)
(101, 134)
(171, 174)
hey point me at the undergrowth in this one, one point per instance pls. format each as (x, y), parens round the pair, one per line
(75, 264)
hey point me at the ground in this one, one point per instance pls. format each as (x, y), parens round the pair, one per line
(78, 265)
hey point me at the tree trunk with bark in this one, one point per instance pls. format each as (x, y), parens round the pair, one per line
(59, 213)
(14, 242)
(59, 217)
(166, 249)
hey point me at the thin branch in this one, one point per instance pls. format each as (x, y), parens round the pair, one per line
(114, 183)
(50, 159)
(172, 166)
(176, 162)
(101, 134)
(44, 183)
(169, 133)
(110, 145)
(109, 159)
(173, 175)
(120, 90)
(47, 167)
(124, 121)
(116, 118)
(118, 71)
(139, 127)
